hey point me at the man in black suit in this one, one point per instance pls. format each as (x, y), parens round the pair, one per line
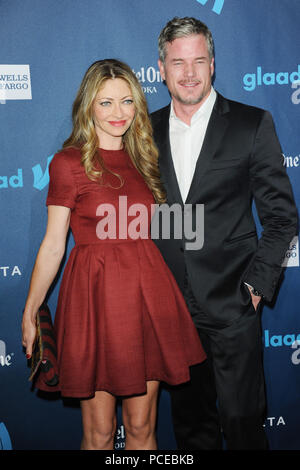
(222, 154)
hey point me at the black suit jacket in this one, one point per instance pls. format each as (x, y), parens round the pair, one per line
(240, 160)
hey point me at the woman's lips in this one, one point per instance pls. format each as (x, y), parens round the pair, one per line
(118, 123)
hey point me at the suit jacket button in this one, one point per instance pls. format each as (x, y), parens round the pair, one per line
(181, 249)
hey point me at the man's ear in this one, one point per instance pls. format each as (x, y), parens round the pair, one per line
(212, 66)
(161, 69)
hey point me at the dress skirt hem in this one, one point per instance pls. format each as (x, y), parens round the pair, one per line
(131, 390)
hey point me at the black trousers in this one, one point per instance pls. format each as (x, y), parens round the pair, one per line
(226, 392)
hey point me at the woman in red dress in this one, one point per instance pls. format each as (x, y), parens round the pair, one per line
(121, 322)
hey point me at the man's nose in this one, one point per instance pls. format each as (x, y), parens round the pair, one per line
(189, 70)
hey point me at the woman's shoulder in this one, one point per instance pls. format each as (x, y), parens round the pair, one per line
(70, 153)
(70, 157)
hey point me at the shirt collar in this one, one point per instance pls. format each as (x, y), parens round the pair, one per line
(204, 110)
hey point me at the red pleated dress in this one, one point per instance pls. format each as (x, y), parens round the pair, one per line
(121, 319)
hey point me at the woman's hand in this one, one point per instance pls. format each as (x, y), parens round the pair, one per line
(28, 334)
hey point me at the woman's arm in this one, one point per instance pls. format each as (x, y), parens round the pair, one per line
(45, 269)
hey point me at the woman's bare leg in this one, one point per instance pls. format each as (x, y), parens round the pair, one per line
(99, 422)
(139, 419)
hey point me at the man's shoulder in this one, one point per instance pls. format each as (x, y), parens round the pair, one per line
(160, 114)
(240, 109)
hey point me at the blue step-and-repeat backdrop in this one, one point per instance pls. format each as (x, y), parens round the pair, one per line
(46, 46)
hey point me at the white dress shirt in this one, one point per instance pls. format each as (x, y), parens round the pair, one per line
(186, 142)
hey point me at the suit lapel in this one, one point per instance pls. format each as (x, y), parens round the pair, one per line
(215, 131)
(167, 170)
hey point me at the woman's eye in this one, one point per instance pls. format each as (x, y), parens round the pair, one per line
(128, 101)
(105, 103)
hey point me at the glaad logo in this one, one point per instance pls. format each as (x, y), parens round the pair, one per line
(296, 354)
(14, 181)
(252, 80)
(5, 359)
(291, 258)
(15, 83)
(277, 341)
(217, 7)
(296, 94)
(147, 76)
(5, 442)
(40, 177)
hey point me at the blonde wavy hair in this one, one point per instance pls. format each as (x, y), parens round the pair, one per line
(137, 140)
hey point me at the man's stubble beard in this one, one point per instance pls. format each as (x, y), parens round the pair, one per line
(189, 101)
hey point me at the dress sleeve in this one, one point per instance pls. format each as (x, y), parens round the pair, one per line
(62, 187)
